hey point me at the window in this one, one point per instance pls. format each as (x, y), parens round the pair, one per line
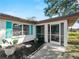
(25, 29)
(17, 29)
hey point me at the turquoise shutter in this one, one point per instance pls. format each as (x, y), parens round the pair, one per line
(8, 29)
(30, 29)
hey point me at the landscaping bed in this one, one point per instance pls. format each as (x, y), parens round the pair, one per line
(23, 51)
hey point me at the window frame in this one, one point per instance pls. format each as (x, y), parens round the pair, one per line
(26, 31)
(21, 29)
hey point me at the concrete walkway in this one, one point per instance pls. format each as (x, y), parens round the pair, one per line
(50, 52)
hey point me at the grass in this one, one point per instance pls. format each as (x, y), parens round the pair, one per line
(73, 44)
(73, 38)
(73, 50)
(73, 35)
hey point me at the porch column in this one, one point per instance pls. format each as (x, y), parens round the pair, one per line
(34, 30)
(65, 33)
(46, 32)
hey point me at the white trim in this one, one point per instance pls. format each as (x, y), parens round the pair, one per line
(65, 33)
(46, 33)
(56, 22)
(59, 34)
(52, 22)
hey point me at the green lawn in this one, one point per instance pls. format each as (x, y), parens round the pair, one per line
(73, 44)
(73, 35)
(73, 50)
(73, 38)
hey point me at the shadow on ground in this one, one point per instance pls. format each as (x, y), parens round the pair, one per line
(23, 52)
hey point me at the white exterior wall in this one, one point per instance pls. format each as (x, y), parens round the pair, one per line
(57, 22)
(26, 38)
(20, 38)
(2, 29)
(30, 37)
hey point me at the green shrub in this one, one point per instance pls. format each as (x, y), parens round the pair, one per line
(73, 33)
(72, 37)
(77, 37)
(15, 41)
(0, 46)
(76, 46)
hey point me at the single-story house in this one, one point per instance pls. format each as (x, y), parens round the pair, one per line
(53, 30)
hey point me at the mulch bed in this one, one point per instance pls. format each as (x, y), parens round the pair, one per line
(23, 51)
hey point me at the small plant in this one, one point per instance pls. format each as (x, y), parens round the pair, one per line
(9, 47)
(77, 37)
(15, 41)
(77, 46)
(0, 46)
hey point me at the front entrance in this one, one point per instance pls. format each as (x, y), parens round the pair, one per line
(40, 32)
(56, 33)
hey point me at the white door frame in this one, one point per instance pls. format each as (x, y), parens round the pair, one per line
(54, 42)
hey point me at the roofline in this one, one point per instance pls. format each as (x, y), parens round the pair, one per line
(5, 16)
(59, 18)
(10, 17)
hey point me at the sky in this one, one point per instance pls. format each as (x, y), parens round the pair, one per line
(23, 8)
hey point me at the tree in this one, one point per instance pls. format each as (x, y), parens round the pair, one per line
(60, 7)
(31, 18)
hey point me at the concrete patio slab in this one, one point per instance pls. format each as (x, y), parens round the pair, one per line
(49, 52)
